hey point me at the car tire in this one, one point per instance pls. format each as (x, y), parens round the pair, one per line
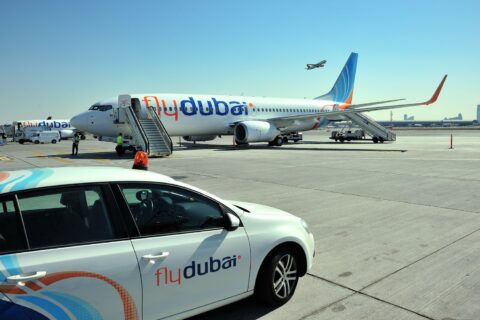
(273, 287)
(54, 141)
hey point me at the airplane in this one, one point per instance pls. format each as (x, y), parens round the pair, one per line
(63, 126)
(248, 119)
(316, 65)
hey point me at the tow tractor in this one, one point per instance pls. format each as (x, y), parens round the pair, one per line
(348, 135)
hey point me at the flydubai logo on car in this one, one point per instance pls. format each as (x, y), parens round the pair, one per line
(167, 276)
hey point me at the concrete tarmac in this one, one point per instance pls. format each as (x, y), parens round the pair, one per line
(397, 225)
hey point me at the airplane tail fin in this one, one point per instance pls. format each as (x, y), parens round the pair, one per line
(342, 91)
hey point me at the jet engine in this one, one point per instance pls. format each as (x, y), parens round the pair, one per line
(255, 131)
(199, 138)
(66, 133)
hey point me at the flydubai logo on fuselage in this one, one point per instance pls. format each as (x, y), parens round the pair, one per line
(167, 276)
(191, 107)
(46, 123)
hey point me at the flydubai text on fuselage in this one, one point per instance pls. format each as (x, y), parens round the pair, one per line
(54, 124)
(250, 119)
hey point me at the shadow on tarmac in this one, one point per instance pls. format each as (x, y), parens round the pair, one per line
(245, 309)
(87, 155)
(216, 147)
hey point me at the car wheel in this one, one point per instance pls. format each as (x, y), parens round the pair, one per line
(54, 141)
(278, 278)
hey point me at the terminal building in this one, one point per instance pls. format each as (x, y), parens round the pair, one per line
(409, 121)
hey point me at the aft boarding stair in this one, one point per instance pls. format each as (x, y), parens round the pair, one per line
(378, 132)
(149, 134)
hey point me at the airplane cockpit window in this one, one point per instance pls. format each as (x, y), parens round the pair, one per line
(100, 107)
(104, 108)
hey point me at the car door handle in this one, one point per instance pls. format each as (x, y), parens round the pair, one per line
(26, 277)
(153, 257)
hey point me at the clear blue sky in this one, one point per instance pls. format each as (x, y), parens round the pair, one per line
(59, 57)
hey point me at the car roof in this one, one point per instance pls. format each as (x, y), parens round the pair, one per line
(19, 180)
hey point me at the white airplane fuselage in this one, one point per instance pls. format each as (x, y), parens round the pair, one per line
(195, 115)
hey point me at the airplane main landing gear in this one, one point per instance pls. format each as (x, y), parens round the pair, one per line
(278, 141)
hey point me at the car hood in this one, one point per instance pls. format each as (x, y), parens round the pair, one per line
(260, 209)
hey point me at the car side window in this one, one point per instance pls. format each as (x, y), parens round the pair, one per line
(161, 209)
(66, 216)
(11, 232)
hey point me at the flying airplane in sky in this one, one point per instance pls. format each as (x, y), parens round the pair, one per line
(311, 66)
(249, 119)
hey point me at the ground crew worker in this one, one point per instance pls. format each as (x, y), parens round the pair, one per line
(119, 147)
(76, 141)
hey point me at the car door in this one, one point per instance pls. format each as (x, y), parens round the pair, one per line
(74, 260)
(187, 257)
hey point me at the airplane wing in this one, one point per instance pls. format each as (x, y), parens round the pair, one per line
(365, 107)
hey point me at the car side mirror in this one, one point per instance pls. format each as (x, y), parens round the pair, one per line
(233, 222)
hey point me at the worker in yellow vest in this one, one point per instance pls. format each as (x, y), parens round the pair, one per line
(119, 147)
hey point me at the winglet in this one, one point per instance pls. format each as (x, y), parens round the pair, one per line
(437, 92)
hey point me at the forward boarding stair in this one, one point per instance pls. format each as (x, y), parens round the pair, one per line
(148, 134)
(378, 132)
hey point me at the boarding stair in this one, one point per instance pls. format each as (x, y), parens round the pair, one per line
(371, 127)
(148, 134)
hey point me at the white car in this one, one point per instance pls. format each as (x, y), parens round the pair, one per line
(111, 243)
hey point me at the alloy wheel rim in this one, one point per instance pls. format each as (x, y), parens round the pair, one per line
(285, 276)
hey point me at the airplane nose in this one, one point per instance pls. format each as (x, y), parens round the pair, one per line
(80, 121)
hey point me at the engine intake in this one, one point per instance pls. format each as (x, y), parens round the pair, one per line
(255, 131)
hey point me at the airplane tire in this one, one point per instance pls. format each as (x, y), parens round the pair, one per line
(278, 141)
(285, 140)
(375, 140)
(54, 141)
(37, 142)
(342, 139)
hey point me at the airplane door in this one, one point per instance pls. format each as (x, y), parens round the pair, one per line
(124, 101)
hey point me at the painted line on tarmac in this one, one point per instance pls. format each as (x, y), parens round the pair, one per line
(359, 292)
(44, 156)
(4, 158)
